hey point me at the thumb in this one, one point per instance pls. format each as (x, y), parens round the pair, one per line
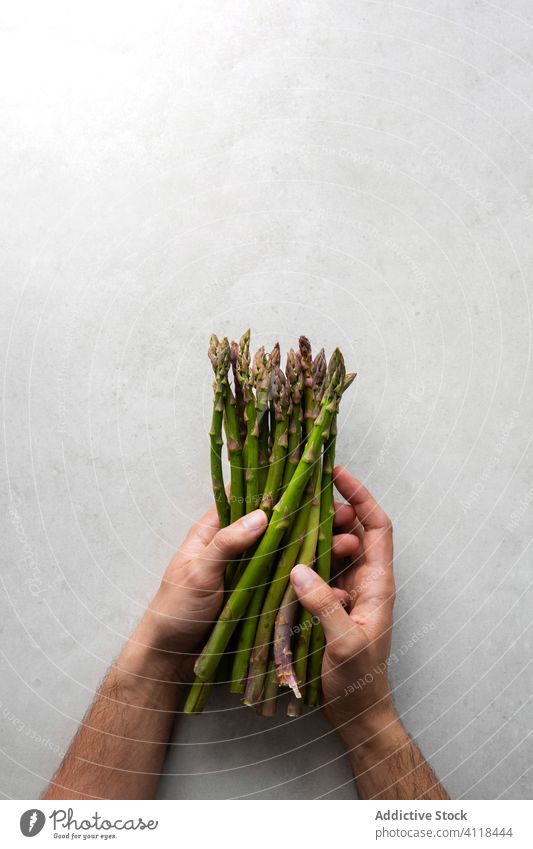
(232, 541)
(321, 601)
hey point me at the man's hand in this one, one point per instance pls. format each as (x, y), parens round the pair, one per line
(120, 746)
(358, 636)
(357, 697)
(191, 592)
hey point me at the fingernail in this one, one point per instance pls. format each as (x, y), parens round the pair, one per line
(302, 577)
(254, 521)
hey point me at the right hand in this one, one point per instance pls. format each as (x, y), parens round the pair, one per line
(358, 639)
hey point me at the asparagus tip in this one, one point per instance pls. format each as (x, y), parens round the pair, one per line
(305, 348)
(275, 355)
(348, 380)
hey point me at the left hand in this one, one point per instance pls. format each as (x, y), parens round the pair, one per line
(183, 610)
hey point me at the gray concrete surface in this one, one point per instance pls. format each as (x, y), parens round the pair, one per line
(359, 171)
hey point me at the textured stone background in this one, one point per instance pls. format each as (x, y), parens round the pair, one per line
(359, 171)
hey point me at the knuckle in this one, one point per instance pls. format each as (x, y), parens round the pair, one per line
(384, 593)
(222, 541)
(340, 650)
(199, 578)
(192, 576)
(323, 599)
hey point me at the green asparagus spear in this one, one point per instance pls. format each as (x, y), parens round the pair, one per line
(246, 381)
(268, 705)
(323, 557)
(323, 564)
(293, 371)
(306, 360)
(307, 557)
(261, 375)
(248, 626)
(197, 697)
(280, 403)
(274, 360)
(234, 353)
(276, 590)
(219, 354)
(233, 438)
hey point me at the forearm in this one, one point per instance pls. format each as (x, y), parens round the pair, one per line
(119, 749)
(386, 762)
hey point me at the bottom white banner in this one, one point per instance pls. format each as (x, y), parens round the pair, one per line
(262, 824)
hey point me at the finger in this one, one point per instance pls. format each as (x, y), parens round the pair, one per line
(232, 541)
(377, 525)
(344, 516)
(345, 545)
(365, 505)
(321, 601)
(346, 521)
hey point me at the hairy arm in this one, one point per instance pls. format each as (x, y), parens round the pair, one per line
(120, 746)
(387, 763)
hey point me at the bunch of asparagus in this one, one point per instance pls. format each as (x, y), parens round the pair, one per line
(280, 430)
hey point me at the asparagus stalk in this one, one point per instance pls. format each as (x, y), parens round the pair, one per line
(268, 705)
(234, 571)
(274, 360)
(315, 389)
(246, 381)
(282, 641)
(245, 640)
(306, 360)
(261, 381)
(233, 438)
(307, 557)
(282, 515)
(197, 697)
(323, 564)
(239, 463)
(275, 473)
(262, 391)
(323, 557)
(280, 403)
(293, 371)
(264, 439)
(234, 353)
(318, 376)
(276, 590)
(313, 373)
(219, 355)
(256, 477)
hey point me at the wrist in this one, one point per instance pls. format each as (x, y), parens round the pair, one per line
(150, 654)
(372, 735)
